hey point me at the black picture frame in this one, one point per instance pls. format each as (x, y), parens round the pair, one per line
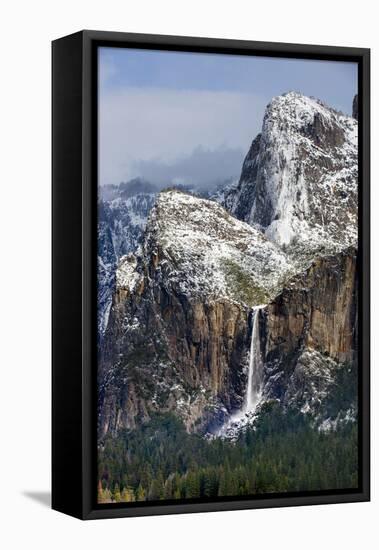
(74, 207)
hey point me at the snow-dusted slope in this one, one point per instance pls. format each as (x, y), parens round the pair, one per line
(121, 225)
(299, 179)
(123, 212)
(211, 253)
(178, 333)
(183, 335)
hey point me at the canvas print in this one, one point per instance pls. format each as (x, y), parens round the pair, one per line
(227, 296)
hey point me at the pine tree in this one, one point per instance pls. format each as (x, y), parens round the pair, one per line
(192, 484)
(127, 495)
(141, 493)
(168, 489)
(116, 493)
(156, 490)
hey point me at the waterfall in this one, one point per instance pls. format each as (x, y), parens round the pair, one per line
(254, 382)
(255, 373)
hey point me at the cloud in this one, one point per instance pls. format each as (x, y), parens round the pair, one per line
(171, 130)
(107, 71)
(202, 167)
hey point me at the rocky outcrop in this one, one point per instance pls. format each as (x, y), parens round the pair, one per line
(299, 179)
(240, 198)
(178, 334)
(122, 217)
(355, 107)
(186, 356)
(311, 328)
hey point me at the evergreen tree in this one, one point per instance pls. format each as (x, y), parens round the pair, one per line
(141, 493)
(116, 493)
(284, 452)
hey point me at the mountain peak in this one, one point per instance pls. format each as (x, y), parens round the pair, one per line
(299, 179)
(295, 112)
(301, 102)
(225, 317)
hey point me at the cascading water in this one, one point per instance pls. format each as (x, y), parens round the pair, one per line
(254, 387)
(255, 373)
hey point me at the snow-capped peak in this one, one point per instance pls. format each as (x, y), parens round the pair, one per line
(299, 179)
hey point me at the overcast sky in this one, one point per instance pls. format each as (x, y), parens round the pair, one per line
(190, 118)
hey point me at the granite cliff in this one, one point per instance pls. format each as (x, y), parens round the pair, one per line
(225, 307)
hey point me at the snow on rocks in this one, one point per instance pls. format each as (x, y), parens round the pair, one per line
(299, 180)
(205, 250)
(121, 225)
(126, 275)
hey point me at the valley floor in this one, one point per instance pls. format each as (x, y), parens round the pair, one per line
(283, 453)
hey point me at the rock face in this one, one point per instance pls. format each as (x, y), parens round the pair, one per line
(299, 178)
(182, 307)
(355, 107)
(122, 216)
(178, 332)
(184, 347)
(309, 329)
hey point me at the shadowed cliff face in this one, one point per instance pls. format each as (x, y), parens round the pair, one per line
(121, 224)
(317, 310)
(179, 333)
(310, 328)
(172, 350)
(355, 107)
(186, 356)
